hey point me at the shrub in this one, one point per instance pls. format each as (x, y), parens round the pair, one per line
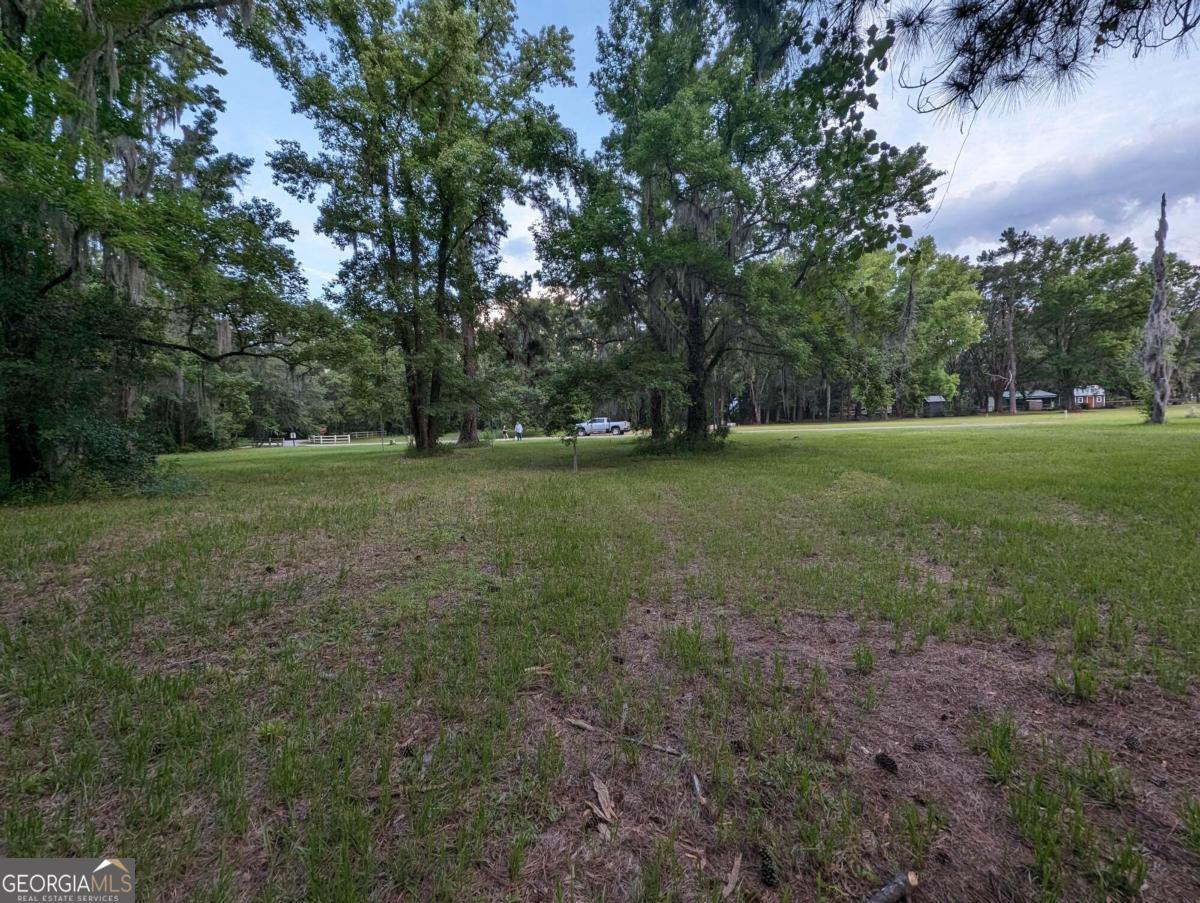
(683, 445)
(93, 457)
(91, 450)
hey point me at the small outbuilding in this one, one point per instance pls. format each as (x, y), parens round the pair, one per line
(1035, 400)
(935, 405)
(1090, 397)
(1041, 400)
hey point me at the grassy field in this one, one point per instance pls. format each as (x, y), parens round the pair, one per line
(784, 671)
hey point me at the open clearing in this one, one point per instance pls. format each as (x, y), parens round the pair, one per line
(340, 673)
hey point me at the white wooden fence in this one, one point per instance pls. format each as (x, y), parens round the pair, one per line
(318, 439)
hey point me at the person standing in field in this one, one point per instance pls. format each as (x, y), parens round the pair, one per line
(519, 430)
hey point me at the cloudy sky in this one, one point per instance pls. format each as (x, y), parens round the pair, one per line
(1093, 161)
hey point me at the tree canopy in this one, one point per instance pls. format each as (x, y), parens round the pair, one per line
(122, 230)
(429, 120)
(738, 173)
(738, 248)
(960, 55)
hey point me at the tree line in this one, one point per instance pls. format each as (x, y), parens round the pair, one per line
(738, 247)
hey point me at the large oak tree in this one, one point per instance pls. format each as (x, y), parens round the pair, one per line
(429, 121)
(738, 171)
(122, 234)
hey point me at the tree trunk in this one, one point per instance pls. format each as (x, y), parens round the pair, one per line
(1011, 353)
(755, 396)
(432, 430)
(696, 424)
(468, 434)
(424, 434)
(25, 460)
(658, 415)
(1160, 328)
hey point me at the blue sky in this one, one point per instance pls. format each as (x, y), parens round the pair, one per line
(1094, 161)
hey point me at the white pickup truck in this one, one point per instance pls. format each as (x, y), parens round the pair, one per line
(602, 425)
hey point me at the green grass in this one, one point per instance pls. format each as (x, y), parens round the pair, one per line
(1048, 795)
(341, 673)
(864, 659)
(1189, 816)
(996, 738)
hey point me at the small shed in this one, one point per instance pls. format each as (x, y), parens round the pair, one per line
(1036, 400)
(935, 405)
(1040, 400)
(1090, 397)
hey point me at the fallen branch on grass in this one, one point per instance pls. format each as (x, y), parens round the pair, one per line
(605, 810)
(899, 888)
(734, 873)
(585, 726)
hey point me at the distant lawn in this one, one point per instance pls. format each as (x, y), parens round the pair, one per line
(339, 673)
(1102, 415)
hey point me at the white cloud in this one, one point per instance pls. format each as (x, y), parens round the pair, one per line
(516, 251)
(1095, 161)
(1112, 189)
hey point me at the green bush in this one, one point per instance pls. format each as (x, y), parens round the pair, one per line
(683, 445)
(93, 456)
(91, 447)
